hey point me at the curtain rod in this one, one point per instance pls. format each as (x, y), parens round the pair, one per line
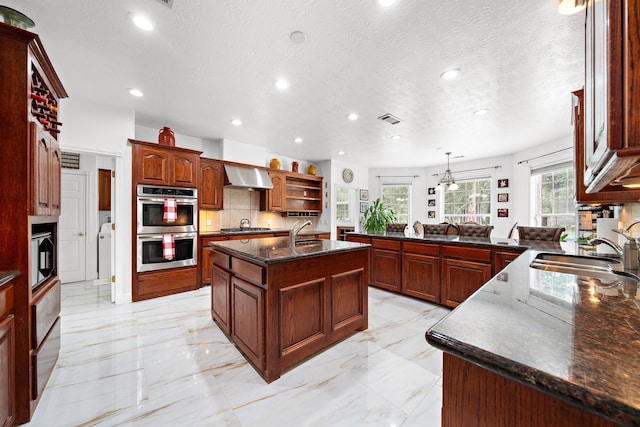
(544, 155)
(470, 170)
(397, 176)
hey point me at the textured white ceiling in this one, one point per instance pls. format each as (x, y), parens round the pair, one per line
(209, 61)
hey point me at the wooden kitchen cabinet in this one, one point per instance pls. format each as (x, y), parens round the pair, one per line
(274, 200)
(104, 190)
(7, 355)
(30, 177)
(386, 258)
(247, 322)
(221, 291)
(611, 92)
(502, 258)
(211, 191)
(205, 257)
(610, 193)
(47, 168)
(421, 271)
(164, 165)
(464, 271)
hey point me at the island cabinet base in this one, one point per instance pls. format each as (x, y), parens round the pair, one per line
(474, 396)
(283, 313)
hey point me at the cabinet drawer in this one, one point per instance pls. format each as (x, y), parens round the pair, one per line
(6, 300)
(44, 359)
(421, 248)
(44, 312)
(392, 245)
(250, 272)
(221, 260)
(465, 252)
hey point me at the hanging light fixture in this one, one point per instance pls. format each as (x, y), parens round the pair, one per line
(447, 179)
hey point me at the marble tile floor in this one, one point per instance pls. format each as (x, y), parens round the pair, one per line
(164, 362)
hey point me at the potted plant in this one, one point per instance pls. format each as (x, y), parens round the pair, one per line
(376, 217)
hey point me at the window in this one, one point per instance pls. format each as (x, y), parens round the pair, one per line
(471, 202)
(553, 189)
(342, 204)
(397, 197)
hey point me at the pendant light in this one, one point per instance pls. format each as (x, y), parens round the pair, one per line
(447, 179)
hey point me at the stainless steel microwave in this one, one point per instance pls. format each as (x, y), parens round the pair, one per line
(42, 258)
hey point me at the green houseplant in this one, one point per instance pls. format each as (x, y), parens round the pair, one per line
(376, 217)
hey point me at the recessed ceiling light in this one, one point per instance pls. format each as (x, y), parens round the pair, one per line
(281, 84)
(136, 92)
(450, 74)
(297, 37)
(386, 3)
(142, 22)
(341, 152)
(298, 140)
(481, 112)
(396, 137)
(352, 116)
(236, 122)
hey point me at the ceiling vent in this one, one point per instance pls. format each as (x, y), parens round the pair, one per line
(389, 118)
(168, 3)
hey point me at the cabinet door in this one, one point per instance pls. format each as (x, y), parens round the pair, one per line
(386, 269)
(104, 189)
(7, 370)
(205, 263)
(184, 169)
(41, 170)
(55, 176)
(502, 258)
(152, 165)
(247, 322)
(220, 297)
(421, 276)
(461, 278)
(274, 200)
(211, 184)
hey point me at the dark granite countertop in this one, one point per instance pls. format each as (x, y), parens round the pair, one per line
(6, 276)
(571, 337)
(278, 249)
(269, 231)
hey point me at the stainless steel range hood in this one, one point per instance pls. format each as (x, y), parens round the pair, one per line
(246, 178)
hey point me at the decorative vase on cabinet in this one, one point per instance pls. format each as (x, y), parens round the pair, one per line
(274, 164)
(166, 137)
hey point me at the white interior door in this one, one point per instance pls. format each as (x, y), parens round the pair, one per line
(72, 237)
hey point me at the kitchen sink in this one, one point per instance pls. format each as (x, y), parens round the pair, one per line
(602, 268)
(306, 242)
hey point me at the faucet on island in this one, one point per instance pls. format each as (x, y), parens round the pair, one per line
(293, 233)
(628, 253)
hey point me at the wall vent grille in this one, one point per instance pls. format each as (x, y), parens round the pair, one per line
(70, 160)
(390, 118)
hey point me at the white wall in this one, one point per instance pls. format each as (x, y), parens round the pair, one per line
(211, 148)
(93, 128)
(235, 151)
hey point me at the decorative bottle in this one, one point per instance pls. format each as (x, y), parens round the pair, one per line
(166, 137)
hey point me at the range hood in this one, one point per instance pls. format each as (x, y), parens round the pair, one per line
(246, 178)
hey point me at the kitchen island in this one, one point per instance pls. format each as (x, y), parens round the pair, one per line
(281, 302)
(536, 347)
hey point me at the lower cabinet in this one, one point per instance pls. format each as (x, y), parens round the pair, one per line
(221, 298)
(7, 370)
(386, 259)
(464, 271)
(502, 258)
(160, 283)
(247, 323)
(421, 271)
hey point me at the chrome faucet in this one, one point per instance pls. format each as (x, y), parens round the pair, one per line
(631, 225)
(293, 232)
(628, 253)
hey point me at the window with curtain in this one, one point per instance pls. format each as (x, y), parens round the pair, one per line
(397, 197)
(471, 202)
(342, 204)
(554, 193)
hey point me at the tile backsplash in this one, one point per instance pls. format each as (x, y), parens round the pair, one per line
(239, 204)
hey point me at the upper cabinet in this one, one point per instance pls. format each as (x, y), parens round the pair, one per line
(210, 194)
(273, 200)
(611, 94)
(164, 165)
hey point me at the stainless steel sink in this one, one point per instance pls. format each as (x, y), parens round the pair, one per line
(595, 267)
(305, 242)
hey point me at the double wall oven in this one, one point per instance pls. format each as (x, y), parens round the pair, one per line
(152, 228)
